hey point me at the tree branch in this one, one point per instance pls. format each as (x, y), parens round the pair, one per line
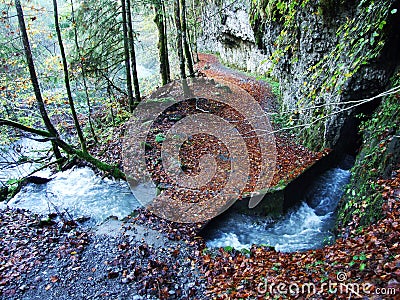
(113, 170)
(26, 128)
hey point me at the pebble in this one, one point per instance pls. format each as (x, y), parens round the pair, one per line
(125, 280)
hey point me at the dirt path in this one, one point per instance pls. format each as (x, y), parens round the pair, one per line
(365, 264)
(210, 66)
(292, 158)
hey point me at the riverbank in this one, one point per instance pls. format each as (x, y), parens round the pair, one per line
(117, 260)
(363, 265)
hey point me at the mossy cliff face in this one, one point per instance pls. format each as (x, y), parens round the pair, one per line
(325, 54)
(226, 30)
(378, 159)
(331, 58)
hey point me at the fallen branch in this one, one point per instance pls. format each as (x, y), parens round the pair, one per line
(112, 170)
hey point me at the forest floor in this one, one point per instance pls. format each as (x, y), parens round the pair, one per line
(146, 257)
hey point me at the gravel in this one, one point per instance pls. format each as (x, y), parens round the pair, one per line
(117, 260)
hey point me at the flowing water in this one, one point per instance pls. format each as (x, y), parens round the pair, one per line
(79, 191)
(307, 226)
(18, 159)
(83, 193)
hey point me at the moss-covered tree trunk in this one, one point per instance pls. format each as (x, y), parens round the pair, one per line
(127, 57)
(112, 170)
(167, 65)
(34, 80)
(78, 51)
(162, 45)
(185, 42)
(179, 46)
(51, 133)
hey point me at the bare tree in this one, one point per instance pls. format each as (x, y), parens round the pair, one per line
(66, 79)
(132, 56)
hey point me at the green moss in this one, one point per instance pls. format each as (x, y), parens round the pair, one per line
(360, 36)
(113, 170)
(379, 156)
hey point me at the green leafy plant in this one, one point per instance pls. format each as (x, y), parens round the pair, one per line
(160, 138)
(228, 248)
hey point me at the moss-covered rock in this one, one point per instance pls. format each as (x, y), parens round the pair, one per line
(378, 158)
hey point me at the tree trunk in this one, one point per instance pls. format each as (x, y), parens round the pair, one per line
(186, 46)
(83, 73)
(159, 20)
(113, 170)
(193, 38)
(66, 79)
(180, 48)
(34, 80)
(167, 66)
(133, 56)
(127, 59)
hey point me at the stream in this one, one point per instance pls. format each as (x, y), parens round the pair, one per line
(306, 226)
(78, 191)
(82, 193)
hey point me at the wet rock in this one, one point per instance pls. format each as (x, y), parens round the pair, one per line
(3, 193)
(37, 180)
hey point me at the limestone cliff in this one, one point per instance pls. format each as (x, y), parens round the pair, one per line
(227, 31)
(324, 53)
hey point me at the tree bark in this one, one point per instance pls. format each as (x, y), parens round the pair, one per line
(132, 56)
(66, 79)
(166, 42)
(34, 79)
(193, 38)
(180, 48)
(127, 57)
(186, 46)
(159, 20)
(83, 73)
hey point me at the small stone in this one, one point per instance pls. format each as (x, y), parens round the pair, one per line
(125, 280)
(112, 275)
